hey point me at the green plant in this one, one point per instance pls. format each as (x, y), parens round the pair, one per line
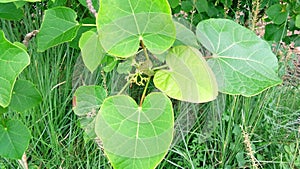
(284, 17)
(141, 39)
(15, 96)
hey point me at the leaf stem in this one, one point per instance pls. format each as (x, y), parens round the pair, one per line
(144, 49)
(88, 24)
(144, 92)
(159, 67)
(125, 86)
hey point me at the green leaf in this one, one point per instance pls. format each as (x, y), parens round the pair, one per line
(75, 42)
(242, 62)
(109, 63)
(274, 32)
(20, 45)
(14, 139)
(9, 11)
(87, 102)
(135, 137)
(189, 78)
(13, 61)
(123, 24)
(277, 13)
(59, 26)
(25, 96)
(91, 50)
(202, 6)
(187, 6)
(185, 36)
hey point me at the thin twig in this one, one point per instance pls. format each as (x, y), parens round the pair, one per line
(255, 11)
(23, 161)
(29, 36)
(91, 7)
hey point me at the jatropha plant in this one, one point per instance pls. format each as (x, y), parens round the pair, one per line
(161, 51)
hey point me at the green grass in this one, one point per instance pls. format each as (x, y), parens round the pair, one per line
(212, 135)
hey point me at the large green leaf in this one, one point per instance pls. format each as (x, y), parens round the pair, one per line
(13, 61)
(242, 62)
(123, 24)
(135, 137)
(14, 139)
(9, 11)
(59, 26)
(25, 96)
(189, 78)
(87, 102)
(91, 50)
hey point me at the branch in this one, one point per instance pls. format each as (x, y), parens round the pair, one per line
(29, 36)
(91, 7)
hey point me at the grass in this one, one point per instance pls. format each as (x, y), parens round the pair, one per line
(231, 132)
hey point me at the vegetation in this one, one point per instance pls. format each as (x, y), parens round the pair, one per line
(232, 131)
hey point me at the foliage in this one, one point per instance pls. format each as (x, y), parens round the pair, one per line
(137, 131)
(15, 95)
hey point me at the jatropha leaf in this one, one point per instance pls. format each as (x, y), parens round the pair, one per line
(242, 62)
(189, 77)
(123, 24)
(13, 61)
(135, 137)
(59, 26)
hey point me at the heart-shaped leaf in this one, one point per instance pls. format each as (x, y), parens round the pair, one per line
(123, 24)
(91, 49)
(25, 96)
(13, 61)
(135, 137)
(242, 62)
(14, 139)
(59, 26)
(189, 78)
(87, 102)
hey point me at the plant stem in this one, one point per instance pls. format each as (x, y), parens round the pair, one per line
(160, 67)
(91, 7)
(144, 92)
(255, 11)
(145, 50)
(88, 25)
(125, 86)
